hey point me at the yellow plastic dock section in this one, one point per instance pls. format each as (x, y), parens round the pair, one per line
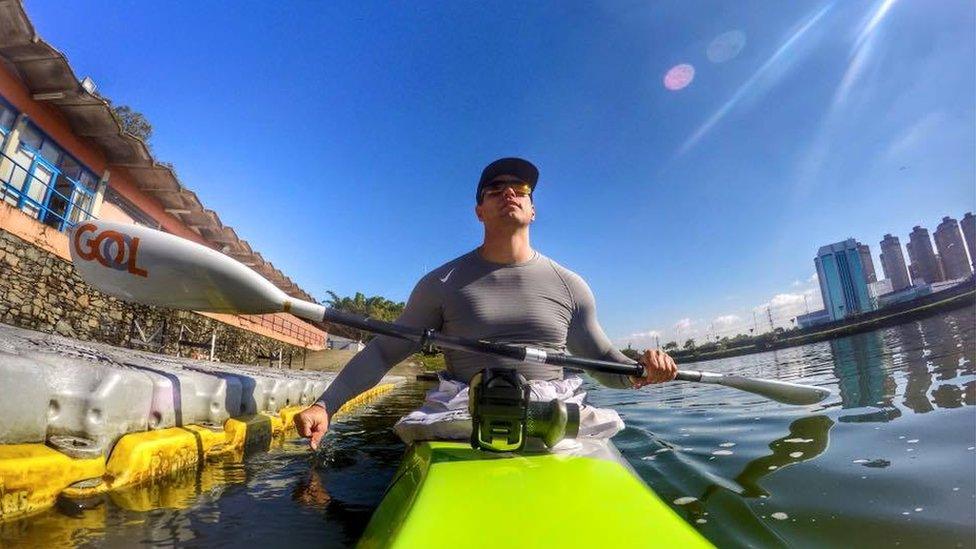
(33, 476)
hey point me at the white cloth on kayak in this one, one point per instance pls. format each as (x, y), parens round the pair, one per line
(536, 303)
(444, 414)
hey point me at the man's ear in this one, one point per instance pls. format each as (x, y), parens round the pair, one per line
(533, 212)
(477, 212)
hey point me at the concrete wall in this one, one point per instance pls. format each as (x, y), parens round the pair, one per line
(40, 290)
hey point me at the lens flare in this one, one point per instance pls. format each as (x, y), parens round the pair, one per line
(679, 77)
(726, 46)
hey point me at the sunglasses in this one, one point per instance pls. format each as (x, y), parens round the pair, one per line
(495, 190)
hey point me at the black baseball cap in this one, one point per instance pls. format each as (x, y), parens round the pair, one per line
(517, 167)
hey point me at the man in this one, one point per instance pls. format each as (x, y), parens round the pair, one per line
(503, 291)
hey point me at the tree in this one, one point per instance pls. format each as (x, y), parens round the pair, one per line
(690, 344)
(670, 346)
(377, 307)
(133, 121)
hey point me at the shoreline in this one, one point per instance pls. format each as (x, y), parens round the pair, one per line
(951, 299)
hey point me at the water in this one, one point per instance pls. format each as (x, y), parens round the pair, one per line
(888, 460)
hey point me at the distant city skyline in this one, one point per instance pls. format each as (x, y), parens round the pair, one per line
(780, 310)
(848, 284)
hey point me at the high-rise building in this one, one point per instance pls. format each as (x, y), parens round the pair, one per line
(952, 250)
(842, 280)
(893, 263)
(867, 263)
(912, 267)
(925, 267)
(968, 226)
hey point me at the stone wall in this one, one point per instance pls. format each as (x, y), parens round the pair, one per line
(41, 291)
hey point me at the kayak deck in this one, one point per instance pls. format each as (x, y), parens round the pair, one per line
(447, 494)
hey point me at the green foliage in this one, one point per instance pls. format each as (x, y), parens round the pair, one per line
(690, 344)
(377, 307)
(670, 346)
(133, 121)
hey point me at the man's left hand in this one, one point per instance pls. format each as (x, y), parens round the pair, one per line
(658, 368)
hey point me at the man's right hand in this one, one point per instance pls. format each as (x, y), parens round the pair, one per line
(312, 423)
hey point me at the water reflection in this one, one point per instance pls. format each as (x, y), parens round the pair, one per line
(856, 469)
(862, 379)
(868, 367)
(311, 492)
(808, 438)
(183, 489)
(52, 529)
(931, 352)
(69, 524)
(910, 342)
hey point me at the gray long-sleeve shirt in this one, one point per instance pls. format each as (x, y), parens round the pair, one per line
(538, 303)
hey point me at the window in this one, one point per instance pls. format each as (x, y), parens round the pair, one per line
(82, 210)
(71, 169)
(51, 152)
(46, 182)
(31, 137)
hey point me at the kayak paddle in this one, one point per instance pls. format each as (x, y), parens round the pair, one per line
(151, 267)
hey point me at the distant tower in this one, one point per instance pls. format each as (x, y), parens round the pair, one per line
(867, 263)
(913, 267)
(968, 226)
(925, 265)
(842, 279)
(893, 263)
(949, 242)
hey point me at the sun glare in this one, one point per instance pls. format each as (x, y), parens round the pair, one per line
(679, 77)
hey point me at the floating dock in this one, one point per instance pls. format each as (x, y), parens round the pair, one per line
(79, 419)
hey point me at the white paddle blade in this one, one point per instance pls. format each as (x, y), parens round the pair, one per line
(780, 391)
(151, 267)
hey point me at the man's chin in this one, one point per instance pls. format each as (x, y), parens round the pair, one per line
(512, 220)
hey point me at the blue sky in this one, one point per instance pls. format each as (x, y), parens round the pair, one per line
(362, 127)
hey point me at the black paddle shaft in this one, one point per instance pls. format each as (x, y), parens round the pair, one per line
(525, 354)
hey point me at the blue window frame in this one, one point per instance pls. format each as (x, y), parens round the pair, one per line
(45, 181)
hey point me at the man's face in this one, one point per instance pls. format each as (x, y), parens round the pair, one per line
(505, 202)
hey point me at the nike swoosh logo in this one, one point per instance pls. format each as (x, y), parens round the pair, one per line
(448, 275)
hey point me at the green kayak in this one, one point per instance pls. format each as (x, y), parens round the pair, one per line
(447, 494)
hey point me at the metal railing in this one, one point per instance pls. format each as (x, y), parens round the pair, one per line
(297, 330)
(50, 205)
